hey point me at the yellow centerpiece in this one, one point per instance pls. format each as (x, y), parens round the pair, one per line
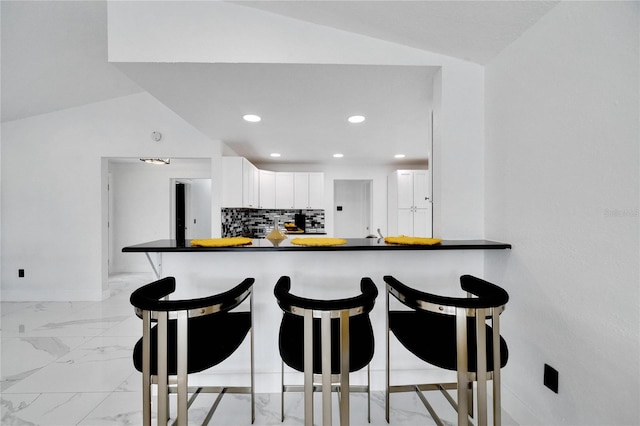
(318, 241)
(221, 242)
(415, 241)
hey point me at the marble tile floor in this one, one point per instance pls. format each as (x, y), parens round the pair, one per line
(69, 363)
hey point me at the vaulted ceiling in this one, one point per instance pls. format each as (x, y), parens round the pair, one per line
(54, 56)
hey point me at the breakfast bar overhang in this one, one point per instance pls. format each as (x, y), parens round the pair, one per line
(317, 272)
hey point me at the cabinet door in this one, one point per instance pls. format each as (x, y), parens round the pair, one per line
(232, 182)
(284, 190)
(267, 189)
(421, 189)
(422, 223)
(255, 176)
(301, 190)
(405, 189)
(405, 222)
(316, 191)
(249, 187)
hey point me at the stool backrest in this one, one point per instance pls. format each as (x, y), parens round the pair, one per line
(358, 305)
(346, 322)
(488, 296)
(148, 298)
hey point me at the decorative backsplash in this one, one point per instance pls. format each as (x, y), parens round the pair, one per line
(255, 223)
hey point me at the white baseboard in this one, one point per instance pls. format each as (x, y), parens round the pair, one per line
(518, 410)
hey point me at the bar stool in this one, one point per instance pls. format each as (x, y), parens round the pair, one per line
(452, 333)
(190, 336)
(326, 340)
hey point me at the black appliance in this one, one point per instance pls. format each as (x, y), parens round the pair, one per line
(301, 221)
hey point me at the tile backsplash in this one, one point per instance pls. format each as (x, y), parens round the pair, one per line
(257, 223)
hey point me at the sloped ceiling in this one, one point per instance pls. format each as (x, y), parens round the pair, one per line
(54, 56)
(475, 31)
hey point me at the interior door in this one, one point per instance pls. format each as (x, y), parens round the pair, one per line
(352, 208)
(180, 212)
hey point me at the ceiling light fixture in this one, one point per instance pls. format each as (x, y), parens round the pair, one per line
(338, 155)
(156, 160)
(252, 118)
(275, 154)
(399, 156)
(356, 119)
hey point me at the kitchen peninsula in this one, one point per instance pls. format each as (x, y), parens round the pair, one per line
(315, 271)
(360, 244)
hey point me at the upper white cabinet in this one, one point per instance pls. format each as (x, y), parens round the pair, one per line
(240, 183)
(246, 186)
(267, 189)
(250, 184)
(308, 190)
(284, 190)
(409, 203)
(412, 187)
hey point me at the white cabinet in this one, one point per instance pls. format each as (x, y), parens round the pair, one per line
(284, 190)
(308, 190)
(409, 203)
(244, 185)
(250, 185)
(267, 189)
(240, 179)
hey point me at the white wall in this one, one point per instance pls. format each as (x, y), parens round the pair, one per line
(54, 186)
(562, 186)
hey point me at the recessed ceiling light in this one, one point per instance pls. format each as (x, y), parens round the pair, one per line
(356, 119)
(399, 156)
(252, 118)
(274, 154)
(338, 155)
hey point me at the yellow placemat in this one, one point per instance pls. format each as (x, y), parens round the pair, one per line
(221, 242)
(413, 241)
(318, 241)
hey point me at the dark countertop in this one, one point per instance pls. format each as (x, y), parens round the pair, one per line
(353, 244)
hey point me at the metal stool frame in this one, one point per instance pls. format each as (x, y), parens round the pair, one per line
(326, 310)
(150, 308)
(489, 304)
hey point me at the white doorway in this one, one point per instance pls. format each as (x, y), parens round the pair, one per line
(352, 208)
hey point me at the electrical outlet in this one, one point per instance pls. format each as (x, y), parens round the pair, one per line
(551, 378)
(20, 273)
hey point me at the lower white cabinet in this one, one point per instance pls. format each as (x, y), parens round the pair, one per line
(411, 222)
